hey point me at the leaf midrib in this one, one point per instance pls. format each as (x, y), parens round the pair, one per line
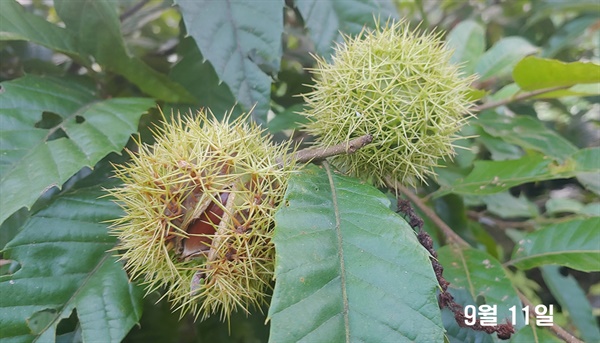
(340, 243)
(465, 267)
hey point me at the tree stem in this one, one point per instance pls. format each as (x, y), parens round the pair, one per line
(452, 237)
(519, 97)
(133, 9)
(315, 154)
(560, 332)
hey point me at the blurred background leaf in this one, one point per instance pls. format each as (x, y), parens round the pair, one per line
(572, 299)
(230, 35)
(84, 19)
(499, 60)
(483, 277)
(327, 20)
(468, 41)
(572, 244)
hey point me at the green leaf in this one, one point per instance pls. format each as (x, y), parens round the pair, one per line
(534, 334)
(533, 73)
(65, 267)
(482, 276)
(584, 161)
(10, 227)
(499, 60)
(454, 332)
(571, 298)
(348, 268)
(199, 77)
(573, 244)
(230, 34)
(85, 18)
(528, 133)
(484, 240)
(589, 178)
(468, 41)
(451, 209)
(289, 119)
(591, 181)
(568, 35)
(498, 148)
(506, 92)
(328, 20)
(591, 209)
(476, 94)
(504, 205)
(35, 159)
(489, 177)
(547, 8)
(16, 24)
(563, 205)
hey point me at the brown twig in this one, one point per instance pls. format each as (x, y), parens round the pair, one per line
(133, 9)
(452, 237)
(519, 97)
(499, 223)
(560, 332)
(348, 147)
(446, 300)
(316, 154)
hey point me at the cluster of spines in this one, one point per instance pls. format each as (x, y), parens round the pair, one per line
(194, 163)
(398, 86)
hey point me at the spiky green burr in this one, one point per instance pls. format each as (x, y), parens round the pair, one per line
(398, 86)
(199, 208)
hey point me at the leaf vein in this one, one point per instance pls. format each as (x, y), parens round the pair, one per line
(338, 232)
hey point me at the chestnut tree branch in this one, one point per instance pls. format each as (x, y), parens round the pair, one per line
(452, 237)
(316, 154)
(519, 97)
(560, 332)
(129, 12)
(500, 223)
